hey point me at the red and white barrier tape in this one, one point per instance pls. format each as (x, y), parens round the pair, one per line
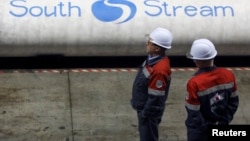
(105, 70)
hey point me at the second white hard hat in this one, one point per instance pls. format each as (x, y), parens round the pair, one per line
(202, 49)
(161, 37)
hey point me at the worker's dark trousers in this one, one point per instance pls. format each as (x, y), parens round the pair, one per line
(148, 128)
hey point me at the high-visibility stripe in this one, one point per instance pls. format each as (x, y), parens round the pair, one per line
(234, 94)
(146, 72)
(215, 88)
(192, 107)
(156, 92)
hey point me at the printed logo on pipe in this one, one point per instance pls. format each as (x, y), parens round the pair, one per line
(117, 11)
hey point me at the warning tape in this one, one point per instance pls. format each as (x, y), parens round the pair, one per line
(104, 70)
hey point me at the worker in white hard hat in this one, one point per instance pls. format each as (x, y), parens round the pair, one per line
(211, 96)
(151, 85)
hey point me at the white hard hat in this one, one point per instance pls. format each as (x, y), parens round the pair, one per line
(202, 49)
(161, 37)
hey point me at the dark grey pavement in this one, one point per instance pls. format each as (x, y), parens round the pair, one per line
(91, 105)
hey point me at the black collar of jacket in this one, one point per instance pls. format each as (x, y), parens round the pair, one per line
(153, 61)
(207, 69)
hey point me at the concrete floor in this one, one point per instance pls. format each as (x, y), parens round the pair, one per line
(91, 105)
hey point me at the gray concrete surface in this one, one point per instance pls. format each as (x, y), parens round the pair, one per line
(91, 105)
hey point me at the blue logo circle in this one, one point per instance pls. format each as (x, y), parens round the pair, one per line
(117, 11)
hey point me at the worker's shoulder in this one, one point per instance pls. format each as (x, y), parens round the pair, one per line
(224, 70)
(163, 66)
